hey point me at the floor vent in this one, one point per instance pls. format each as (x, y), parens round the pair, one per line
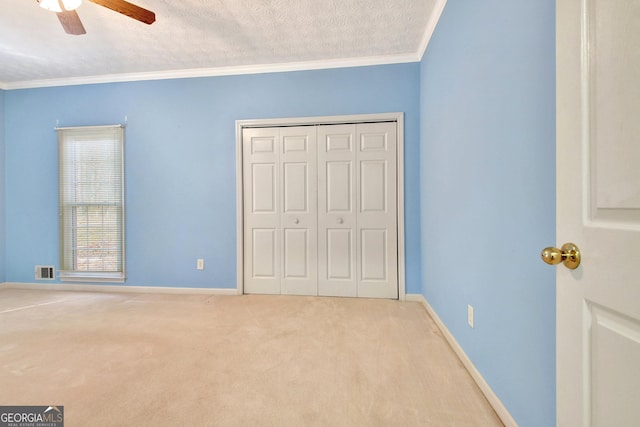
(45, 272)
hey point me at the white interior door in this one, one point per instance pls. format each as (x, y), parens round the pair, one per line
(320, 210)
(299, 207)
(280, 210)
(262, 240)
(357, 219)
(598, 209)
(337, 211)
(377, 238)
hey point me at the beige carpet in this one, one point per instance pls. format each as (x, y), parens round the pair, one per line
(179, 360)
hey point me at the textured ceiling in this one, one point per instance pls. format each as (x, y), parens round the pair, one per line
(206, 35)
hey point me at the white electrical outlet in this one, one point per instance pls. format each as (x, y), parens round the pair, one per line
(200, 264)
(470, 315)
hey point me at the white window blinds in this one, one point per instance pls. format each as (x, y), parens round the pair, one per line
(91, 189)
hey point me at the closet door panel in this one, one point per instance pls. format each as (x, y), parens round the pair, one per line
(320, 214)
(336, 210)
(377, 245)
(339, 254)
(374, 257)
(299, 218)
(262, 242)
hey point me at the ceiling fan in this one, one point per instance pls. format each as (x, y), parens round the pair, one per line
(65, 9)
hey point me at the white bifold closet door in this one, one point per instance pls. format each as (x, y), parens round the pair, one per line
(357, 224)
(280, 210)
(320, 215)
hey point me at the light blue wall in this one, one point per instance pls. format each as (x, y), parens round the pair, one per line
(2, 181)
(180, 162)
(479, 173)
(487, 167)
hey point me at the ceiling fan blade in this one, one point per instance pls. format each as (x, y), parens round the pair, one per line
(131, 10)
(71, 22)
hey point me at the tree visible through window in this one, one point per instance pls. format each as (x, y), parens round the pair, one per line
(91, 203)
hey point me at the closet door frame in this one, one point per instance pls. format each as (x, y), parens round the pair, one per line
(397, 117)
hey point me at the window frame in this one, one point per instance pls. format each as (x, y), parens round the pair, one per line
(68, 243)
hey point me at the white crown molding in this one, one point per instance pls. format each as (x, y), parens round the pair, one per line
(213, 72)
(431, 27)
(118, 289)
(493, 399)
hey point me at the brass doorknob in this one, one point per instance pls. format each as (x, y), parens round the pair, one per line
(569, 254)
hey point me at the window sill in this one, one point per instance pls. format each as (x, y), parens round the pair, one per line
(77, 276)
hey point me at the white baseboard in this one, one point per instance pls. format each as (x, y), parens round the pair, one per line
(495, 402)
(119, 289)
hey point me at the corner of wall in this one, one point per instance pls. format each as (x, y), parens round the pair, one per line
(486, 389)
(434, 17)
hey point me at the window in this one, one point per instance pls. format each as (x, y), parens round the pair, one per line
(91, 190)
